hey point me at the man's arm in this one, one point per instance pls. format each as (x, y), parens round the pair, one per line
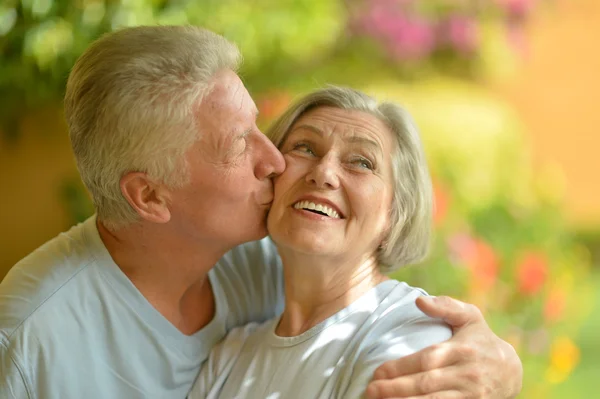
(475, 363)
(12, 381)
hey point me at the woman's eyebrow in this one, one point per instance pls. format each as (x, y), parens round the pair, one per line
(363, 141)
(312, 128)
(351, 139)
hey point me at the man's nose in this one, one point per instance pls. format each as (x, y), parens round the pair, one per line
(270, 161)
(324, 174)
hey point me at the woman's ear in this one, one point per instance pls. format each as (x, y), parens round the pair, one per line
(383, 244)
(148, 198)
(385, 234)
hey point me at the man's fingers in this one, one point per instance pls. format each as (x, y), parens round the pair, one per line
(452, 311)
(437, 395)
(434, 357)
(415, 385)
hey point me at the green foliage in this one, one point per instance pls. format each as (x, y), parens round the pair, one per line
(41, 39)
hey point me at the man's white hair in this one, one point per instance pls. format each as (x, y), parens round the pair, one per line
(408, 240)
(130, 107)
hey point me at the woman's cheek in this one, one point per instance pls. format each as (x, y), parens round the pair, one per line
(295, 166)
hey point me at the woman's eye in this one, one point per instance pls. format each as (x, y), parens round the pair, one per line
(303, 147)
(363, 163)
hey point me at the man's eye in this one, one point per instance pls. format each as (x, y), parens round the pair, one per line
(241, 144)
(303, 147)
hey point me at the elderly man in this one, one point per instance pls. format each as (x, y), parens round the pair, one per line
(129, 303)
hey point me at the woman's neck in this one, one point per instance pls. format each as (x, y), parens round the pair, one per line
(316, 288)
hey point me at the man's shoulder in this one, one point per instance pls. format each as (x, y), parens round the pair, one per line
(250, 278)
(39, 279)
(250, 259)
(254, 251)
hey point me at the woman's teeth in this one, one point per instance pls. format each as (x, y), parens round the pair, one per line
(311, 206)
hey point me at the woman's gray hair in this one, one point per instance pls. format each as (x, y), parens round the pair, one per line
(411, 215)
(130, 107)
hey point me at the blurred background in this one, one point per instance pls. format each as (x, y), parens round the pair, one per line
(505, 93)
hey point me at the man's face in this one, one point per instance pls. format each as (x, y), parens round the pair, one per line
(231, 166)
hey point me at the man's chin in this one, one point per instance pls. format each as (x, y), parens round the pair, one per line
(263, 233)
(259, 233)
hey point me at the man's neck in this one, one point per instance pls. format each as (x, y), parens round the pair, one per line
(317, 288)
(171, 275)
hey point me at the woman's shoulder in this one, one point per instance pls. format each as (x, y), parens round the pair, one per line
(398, 315)
(393, 294)
(394, 328)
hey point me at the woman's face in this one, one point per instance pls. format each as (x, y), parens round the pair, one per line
(335, 194)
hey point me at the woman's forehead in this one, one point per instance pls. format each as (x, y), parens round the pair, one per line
(352, 124)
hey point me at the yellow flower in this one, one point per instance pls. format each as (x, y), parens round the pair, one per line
(564, 356)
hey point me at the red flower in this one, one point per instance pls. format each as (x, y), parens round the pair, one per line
(532, 270)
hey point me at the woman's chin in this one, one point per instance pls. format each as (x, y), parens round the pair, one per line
(311, 246)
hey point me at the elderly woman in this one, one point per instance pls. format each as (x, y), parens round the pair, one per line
(354, 203)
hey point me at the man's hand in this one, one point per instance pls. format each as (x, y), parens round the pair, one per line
(474, 363)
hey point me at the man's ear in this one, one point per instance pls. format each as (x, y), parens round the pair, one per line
(148, 198)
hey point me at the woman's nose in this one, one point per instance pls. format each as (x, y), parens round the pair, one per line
(324, 174)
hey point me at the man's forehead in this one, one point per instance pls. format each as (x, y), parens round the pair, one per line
(228, 89)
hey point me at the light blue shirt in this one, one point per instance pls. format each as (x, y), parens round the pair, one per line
(72, 325)
(334, 359)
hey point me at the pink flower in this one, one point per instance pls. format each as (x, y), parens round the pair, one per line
(479, 257)
(555, 305)
(461, 33)
(411, 39)
(406, 36)
(517, 8)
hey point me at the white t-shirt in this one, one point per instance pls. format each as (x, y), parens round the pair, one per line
(334, 359)
(73, 326)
